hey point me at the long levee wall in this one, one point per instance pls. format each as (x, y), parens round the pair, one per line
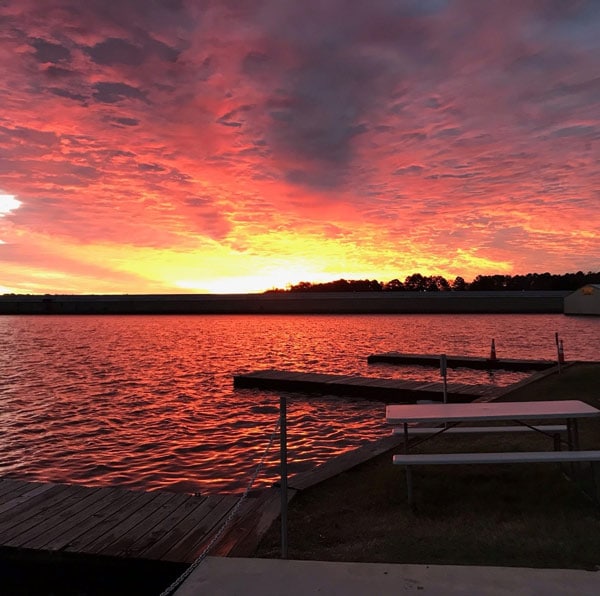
(289, 303)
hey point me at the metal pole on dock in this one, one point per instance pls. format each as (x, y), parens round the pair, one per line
(283, 472)
(444, 372)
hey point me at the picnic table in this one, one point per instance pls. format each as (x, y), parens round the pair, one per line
(521, 413)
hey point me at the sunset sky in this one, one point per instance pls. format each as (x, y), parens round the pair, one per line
(171, 146)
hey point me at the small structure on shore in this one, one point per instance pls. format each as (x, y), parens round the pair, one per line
(585, 301)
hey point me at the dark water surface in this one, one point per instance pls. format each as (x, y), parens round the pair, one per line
(148, 401)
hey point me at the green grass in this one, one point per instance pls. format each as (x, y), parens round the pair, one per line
(526, 515)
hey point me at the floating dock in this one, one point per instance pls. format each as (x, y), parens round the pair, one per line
(385, 390)
(115, 522)
(461, 361)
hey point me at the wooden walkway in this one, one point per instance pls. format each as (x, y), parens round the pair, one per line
(461, 361)
(115, 522)
(386, 390)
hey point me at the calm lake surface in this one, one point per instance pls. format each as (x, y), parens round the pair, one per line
(147, 402)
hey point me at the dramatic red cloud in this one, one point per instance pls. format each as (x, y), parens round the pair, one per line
(173, 145)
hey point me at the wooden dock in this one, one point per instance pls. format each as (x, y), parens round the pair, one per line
(115, 522)
(385, 390)
(461, 361)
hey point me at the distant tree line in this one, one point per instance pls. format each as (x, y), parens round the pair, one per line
(436, 283)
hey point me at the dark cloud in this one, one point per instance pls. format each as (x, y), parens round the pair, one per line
(459, 176)
(230, 118)
(56, 72)
(342, 60)
(205, 69)
(46, 51)
(115, 92)
(432, 102)
(151, 167)
(126, 121)
(576, 131)
(163, 51)
(67, 94)
(320, 179)
(116, 51)
(447, 132)
(256, 63)
(29, 136)
(408, 170)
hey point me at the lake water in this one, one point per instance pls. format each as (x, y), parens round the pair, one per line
(148, 402)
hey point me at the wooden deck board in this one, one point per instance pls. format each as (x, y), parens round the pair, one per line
(96, 517)
(105, 544)
(380, 389)
(124, 524)
(8, 485)
(250, 524)
(108, 522)
(163, 531)
(70, 507)
(192, 515)
(151, 527)
(189, 547)
(42, 519)
(22, 494)
(26, 510)
(475, 362)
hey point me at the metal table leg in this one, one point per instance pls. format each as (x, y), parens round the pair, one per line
(409, 487)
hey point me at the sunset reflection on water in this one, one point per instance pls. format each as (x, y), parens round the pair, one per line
(148, 402)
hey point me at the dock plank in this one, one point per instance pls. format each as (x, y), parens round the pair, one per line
(39, 503)
(190, 546)
(113, 541)
(21, 494)
(475, 362)
(42, 515)
(8, 485)
(192, 516)
(164, 529)
(242, 537)
(44, 523)
(108, 522)
(385, 390)
(151, 527)
(124, 524)
(96, 517)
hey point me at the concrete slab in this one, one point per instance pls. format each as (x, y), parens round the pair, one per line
(274, 577)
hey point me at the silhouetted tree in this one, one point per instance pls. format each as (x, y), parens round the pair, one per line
(459, 284)
(436, 283)
(395, 285)
(414, 283)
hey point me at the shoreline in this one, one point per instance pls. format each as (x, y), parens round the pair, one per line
(550, 302)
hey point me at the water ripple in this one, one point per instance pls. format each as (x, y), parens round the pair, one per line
(148, 402)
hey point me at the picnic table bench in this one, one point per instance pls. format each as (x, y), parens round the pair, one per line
(453, 414)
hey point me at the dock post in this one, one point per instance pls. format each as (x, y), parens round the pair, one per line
(283, 473)
(559, 355)
(444, 373)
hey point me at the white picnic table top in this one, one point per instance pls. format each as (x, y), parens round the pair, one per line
(482, 411)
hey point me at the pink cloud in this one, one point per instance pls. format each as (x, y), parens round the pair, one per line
(178, 125)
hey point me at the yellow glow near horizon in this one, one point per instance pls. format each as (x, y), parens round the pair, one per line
(251, 284)
(268, 261)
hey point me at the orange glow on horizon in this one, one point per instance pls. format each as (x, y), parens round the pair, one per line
(216, 150)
